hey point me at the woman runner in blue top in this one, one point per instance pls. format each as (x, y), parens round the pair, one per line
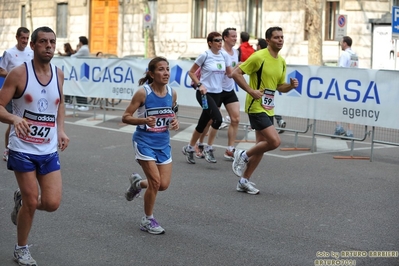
(154, 104)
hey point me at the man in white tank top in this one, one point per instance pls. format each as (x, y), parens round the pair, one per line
(37, 130)
(14, 57)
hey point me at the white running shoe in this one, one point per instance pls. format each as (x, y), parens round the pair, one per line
(223, 125)
(22, 256)
(247, 187)
(209, 157)
(151, 226)
(189, 154)
(17, 206)
(239, 165)
(5, 155)
(133, 192)
(83, 108)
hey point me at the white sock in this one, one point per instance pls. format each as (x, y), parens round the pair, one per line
(19, 247)
(190, 148)
(243, 180)
(245, 156)
(138, 185)
(150, 216)
(208, 147)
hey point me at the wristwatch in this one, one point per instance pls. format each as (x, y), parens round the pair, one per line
(199, 84)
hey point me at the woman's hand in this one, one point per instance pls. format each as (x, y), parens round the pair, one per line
(150, 121)
(174, 124)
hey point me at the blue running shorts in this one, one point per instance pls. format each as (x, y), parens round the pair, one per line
(145, 153)
(25, 162)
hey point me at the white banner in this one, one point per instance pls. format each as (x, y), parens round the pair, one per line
(357, 96)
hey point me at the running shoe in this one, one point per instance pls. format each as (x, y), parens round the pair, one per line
(199, 151)
(5, 155)
(239, 165)
(209, 156)
(83, 108)
(17, 206)
(189, 155)
(247, 187)
(229, 155)
(281, 124)
(223, 125)
(22, 256)
(133, 192)
(151, 226)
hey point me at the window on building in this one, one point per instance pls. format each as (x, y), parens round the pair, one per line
(254, 18)
(332, 10)
(62, 20)
(199, 18)
(395, 2)
(23, 16)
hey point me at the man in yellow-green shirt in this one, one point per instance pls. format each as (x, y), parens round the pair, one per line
(267, 73)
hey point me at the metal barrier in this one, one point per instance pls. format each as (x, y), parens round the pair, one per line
(98, 105)
(296, 132)
(297, 126)
(387, 136)
(356, 131)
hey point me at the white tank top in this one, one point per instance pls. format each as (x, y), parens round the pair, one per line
(38, 105)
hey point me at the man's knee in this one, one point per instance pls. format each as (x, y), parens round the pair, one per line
(274, 143)
(50, 206)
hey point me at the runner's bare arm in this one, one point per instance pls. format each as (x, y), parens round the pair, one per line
(137, 100)
(63, 140)
(13, 86)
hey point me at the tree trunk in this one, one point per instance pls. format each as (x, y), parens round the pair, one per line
(314, 29)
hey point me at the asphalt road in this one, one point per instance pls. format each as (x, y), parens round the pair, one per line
(310, 209)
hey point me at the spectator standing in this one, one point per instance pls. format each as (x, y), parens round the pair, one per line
(67, 49)
(245, 50)
(68, 52)
(12, 58)
(83, 50)
(347, 59)
(83, 47)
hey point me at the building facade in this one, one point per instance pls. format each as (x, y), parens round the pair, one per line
(179, 27)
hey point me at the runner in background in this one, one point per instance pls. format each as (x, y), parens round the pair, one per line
(215, 64)
(262, 44)
(267, 73)
(228, 97)
(14, 57)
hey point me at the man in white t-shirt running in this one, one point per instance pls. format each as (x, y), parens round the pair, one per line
(348, 59)
(14, 57)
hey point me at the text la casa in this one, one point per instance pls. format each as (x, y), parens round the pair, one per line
(97, 74)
